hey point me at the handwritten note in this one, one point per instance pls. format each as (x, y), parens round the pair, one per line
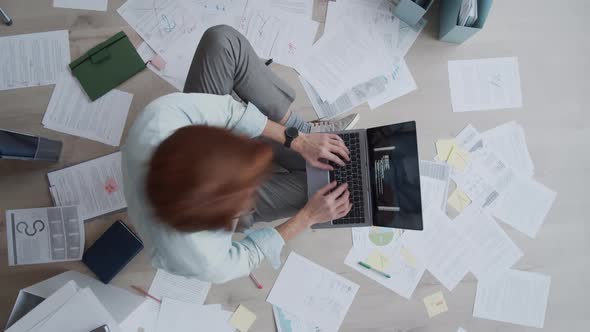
(435, 304)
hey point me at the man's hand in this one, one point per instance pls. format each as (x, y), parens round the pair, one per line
(317, 147)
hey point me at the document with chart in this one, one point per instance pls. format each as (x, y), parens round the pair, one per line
(44, 235)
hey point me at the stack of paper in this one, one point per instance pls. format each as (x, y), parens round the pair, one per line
(345, 69)
(311, 294)
(69, 309)
(96, 186)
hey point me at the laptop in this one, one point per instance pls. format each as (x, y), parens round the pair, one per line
(383, 178)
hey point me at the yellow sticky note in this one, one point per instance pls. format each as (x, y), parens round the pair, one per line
(444, 147)
(458, 158)
(459, 200)
(435, 304)
(378, 260)
(242, 319)
(408, 257)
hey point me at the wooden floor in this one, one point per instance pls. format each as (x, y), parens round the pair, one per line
(550, 39)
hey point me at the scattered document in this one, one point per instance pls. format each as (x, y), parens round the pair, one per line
(435, 304)
(349, 100)
(341, 60)
(323, 299)
(144, 317)
(33, 59)
(181, 316)
(408, 34)
(517, 297)
(434, 184)
(44, 235)
(286, 322)
(100, 5)
(461, 330)
(242, 319)
(399, 82)
(485, 84)
(443, 249)
(302, 8)
(179, 288)
(90, 185)
(147, 53)
(524, 204)
(70, 111)
(493, 250)
(161, 23)
(509, 143)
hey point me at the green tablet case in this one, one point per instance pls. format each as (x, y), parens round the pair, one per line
(107, 65)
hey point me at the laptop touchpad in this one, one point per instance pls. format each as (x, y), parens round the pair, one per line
(316, 179)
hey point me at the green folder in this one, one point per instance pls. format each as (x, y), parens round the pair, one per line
(107, 65)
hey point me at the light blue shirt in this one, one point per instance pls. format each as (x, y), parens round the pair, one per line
(207, 255)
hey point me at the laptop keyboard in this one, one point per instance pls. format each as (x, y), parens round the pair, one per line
(351, 174)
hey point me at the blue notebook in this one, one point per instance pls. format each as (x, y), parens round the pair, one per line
(113, 250)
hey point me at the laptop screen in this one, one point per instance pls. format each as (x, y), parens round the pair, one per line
(395, 176)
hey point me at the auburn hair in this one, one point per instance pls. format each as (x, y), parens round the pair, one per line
(199, 177)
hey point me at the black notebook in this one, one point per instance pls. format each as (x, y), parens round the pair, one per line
(112, 251)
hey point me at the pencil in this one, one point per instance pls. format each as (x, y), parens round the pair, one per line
(259, 285)
(144, 293)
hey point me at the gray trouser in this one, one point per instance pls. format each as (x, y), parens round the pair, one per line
(225, 62)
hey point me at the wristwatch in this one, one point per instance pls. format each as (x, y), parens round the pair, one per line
(290, 134)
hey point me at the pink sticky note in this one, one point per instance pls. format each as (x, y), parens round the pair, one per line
(158, 62)
(111, 186)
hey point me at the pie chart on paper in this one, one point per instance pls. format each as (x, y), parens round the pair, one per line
(381, 236)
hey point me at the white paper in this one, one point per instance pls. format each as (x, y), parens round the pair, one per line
(405, 274)
(100, 5)
(45, 309)
(144, 317)
(461, 330)
(85, 185)
(485, 84)
(399, 82)
(443, 249)
(408, 34)
(70, 111)
(509, 143)
(323, 299)
(181, 316)
(83, 312)
(161, 23)
(349, 100)
(286, 322)
(44, 235)
(119, 302)
(341, 60)
(494, 252)
(302, 8)
(524, 204)
(33, 59)
(274, 34)
(179, 288)
(434, 184)
(517, 297)
(147, 53)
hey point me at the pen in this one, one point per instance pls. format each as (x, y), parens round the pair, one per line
(144, 293)
(259, 285)
(369, 267)
(268, 62)
(5, 18)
